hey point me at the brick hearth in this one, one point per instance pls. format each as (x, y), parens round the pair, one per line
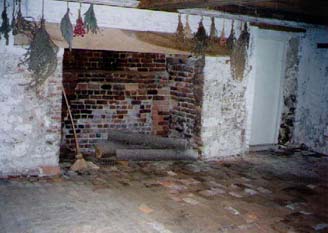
(140, 92)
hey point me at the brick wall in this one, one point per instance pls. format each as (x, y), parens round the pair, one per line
(186, 97)
(139, 92)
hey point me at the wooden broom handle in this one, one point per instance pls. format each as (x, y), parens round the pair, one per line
(72, 122)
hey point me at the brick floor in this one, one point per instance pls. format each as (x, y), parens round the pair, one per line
(258, 193)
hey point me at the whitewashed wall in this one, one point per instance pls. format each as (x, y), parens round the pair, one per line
(30, 129)
(30, 123)
(29, 136)
(312, 100)
(227, 105)
(224, 110)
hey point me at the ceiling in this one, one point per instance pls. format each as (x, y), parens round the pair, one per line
(314, 11)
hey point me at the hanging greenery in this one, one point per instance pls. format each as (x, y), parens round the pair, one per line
(199, 43)
(5, 26)
(232, 38)
(90, 20)
(13, 16)
(79, 27)
(200, 39)
(179, 32)
(239, 55)
(187, 30)
(213, 31)
(223, 39)
(66, 29)
(41, 56)
(22, 25)
(244, 36)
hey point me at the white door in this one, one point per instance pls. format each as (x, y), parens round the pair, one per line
(267, 103)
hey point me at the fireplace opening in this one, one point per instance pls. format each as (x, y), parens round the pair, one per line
(145, 93)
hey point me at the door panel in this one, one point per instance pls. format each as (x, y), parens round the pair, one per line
(267, 96)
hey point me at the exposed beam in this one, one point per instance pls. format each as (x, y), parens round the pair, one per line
(282, 13)
(108, 39)
(182, 4)
(278, 27)
(322, 46)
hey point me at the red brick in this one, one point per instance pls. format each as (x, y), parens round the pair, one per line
(50, 171)
(107, 81)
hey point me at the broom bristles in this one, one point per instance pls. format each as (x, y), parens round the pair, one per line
(79, 165)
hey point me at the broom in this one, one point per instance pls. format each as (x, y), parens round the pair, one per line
(80, 163)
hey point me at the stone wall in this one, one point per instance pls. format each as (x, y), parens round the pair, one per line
(139, 92)
(30, 122)
(289, 92)
(311, 123)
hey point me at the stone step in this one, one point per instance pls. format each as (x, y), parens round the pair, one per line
(108, 148)
(148, 141)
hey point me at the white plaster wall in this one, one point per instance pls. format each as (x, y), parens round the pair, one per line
(250, 86)
(228, 104)
(30, 128)
(224, 114)
(311, 125)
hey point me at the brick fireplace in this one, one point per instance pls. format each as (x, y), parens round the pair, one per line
(148, 93)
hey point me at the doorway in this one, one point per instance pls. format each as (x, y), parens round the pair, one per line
(267, 105)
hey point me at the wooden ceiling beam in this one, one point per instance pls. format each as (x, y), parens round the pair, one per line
(277, 13)
(182, 4)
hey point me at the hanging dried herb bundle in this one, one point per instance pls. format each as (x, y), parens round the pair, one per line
(244, 36)
(90, 20)
(179, 32)
(79, 27)
(223, 40)
(232, 38)
(13, 16)
(213, 32)
(5, 26)
(200, 39)
(41, 56)
(21, 24)
(66, 29)
(239, 55)
(187, 30)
